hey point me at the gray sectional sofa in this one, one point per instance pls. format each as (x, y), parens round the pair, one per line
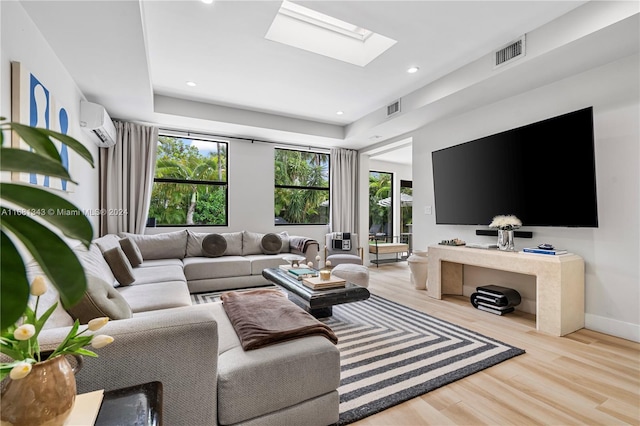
(207, 377)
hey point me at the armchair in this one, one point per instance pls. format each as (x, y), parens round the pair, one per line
(343, 247)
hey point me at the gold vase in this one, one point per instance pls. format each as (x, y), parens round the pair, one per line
(44, 397)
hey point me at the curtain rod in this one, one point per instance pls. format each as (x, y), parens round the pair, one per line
(252, 140)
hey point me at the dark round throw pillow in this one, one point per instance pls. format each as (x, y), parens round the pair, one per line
(271, 243)
(214, 245)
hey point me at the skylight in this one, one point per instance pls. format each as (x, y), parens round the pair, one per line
(307, 29)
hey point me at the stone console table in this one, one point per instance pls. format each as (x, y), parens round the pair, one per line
(559, 281)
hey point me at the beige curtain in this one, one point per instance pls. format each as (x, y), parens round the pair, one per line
(126, 178)
(344, 190)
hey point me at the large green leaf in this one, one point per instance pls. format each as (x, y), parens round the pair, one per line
(14, 287)
(57, 260)
(19, 160)
(52, 208)
(71, 143)
(37, 139)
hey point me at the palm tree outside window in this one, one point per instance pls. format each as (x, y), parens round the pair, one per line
(301, 190)
(190, 185)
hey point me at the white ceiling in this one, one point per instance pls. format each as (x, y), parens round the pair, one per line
(135, 58)
(222, 47)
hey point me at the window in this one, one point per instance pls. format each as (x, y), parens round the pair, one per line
(301, 194)
(406, 206)
(190, 184)
(380, 205)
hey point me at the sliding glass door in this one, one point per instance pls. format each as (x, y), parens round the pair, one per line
(380, 205)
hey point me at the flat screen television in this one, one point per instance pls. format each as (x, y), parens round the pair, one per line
(544, 173)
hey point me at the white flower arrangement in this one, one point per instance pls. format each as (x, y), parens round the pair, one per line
(20, 342)
(505, 222)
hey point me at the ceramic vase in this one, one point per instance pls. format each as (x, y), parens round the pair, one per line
(505, 240)
(418, 265)
(44, 397)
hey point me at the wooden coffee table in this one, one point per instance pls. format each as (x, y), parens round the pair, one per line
(317, 302)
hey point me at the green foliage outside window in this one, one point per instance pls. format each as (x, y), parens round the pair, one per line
(301, 194)
(190, 185)
(406, 210)
(380, 203)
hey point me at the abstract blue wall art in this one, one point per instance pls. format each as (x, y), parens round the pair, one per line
(32, 103)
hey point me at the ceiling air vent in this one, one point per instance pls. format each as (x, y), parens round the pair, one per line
(510, 52)
(393, 108)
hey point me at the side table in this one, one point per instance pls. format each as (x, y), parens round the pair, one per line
(139, 405)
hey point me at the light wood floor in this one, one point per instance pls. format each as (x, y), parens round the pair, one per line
(583, 378)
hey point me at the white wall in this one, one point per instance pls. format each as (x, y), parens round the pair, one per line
(22, 42)
(400, 172)
(251, 204)
(611, 251)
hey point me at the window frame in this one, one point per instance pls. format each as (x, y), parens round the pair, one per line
(214, 183)
(391, 206)
(312, 188)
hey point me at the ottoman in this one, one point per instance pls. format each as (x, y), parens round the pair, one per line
(356, 274)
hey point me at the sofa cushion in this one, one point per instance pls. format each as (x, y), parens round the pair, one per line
(271, 243)
(120, 266)
(214, 245)
(251, 243)
(198, 268)
(234, 243)
(59, 317)
(107, 242)
(100, 300)
(94, 263)
(132, 251)
(159, 274)
(194, 243)
(151, 297)
(259, 370)
(284, 236)
(160, 262)
(263, 261)
(170, 245)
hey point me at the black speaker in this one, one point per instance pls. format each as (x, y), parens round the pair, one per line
(494, 233)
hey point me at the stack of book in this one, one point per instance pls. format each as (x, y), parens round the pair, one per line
(536, 250)
(316, 283)
(299, 273)
(495, 299)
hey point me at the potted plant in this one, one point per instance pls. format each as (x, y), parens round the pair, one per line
(41, 388)
(24, 208)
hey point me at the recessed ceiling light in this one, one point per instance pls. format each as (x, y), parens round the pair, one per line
(413, 70)
(207, 1)
(340, 112)
(191, 84)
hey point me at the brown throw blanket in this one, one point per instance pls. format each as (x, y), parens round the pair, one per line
(267, 317)
(300, 244)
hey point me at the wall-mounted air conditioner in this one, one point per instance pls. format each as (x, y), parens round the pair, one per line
(95, 120)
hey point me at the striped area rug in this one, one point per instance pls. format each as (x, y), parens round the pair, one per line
(390, 353)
